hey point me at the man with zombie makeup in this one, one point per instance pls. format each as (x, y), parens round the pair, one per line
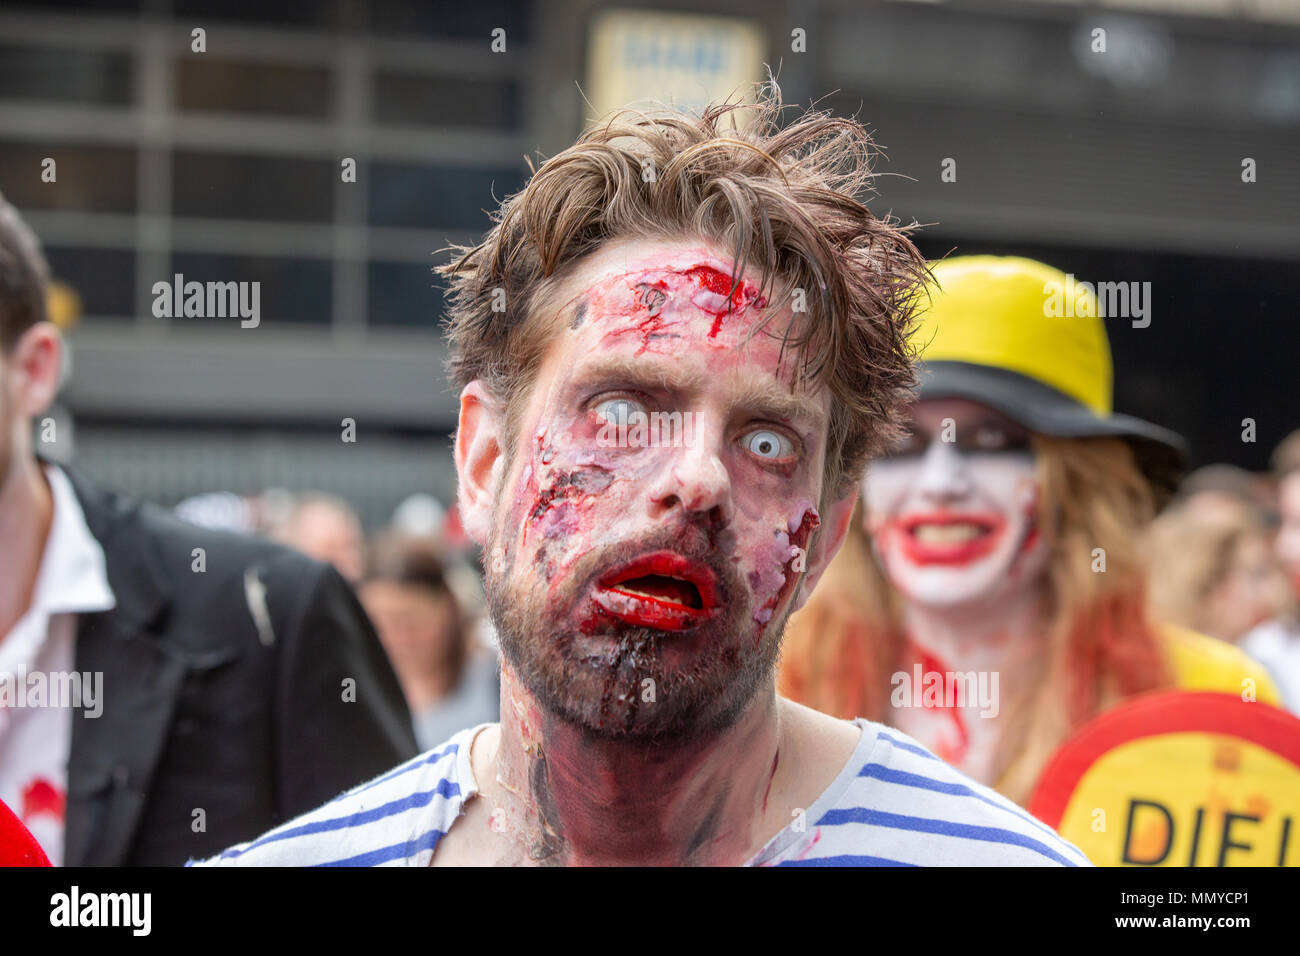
(658, 447)
(992, 596)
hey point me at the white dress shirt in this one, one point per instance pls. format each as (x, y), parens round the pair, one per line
(36, 733)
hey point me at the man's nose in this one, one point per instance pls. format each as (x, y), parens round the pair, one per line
(695, 479)
(943, 474)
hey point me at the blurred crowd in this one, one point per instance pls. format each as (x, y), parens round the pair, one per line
(1224, 559)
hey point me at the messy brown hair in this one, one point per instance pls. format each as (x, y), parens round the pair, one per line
(783, 198)
(24, 277)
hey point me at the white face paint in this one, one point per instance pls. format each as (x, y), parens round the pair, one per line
(952, 513)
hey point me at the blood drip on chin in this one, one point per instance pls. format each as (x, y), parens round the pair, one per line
(633, 649)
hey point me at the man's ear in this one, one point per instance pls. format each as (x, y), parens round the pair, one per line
(834, 528)
(479, 460)
(35, 366)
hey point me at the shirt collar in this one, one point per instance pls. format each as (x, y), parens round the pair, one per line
(73, 575)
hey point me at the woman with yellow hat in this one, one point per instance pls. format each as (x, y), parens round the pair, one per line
(991, 597)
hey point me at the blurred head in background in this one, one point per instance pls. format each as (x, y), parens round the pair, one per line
(326, 528)
(424, 608)
(406, 593)
(1286, 469)
(1212, 566)
(1228, 487)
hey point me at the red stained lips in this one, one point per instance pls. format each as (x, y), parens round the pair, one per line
(948, 537)
(662, 590)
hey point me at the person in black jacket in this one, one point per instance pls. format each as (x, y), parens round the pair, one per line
(165, 690)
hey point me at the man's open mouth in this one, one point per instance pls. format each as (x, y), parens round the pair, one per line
(661, 590)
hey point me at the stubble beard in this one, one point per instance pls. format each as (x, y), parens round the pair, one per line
(614, 684)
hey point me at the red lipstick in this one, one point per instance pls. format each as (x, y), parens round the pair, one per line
(661, 590)
(921, 546)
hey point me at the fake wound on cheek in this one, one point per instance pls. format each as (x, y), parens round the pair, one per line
(781, 561)
(567, 478)
(654, 306)
(555, 493)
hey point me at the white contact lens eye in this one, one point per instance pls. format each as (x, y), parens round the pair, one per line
(769, 444)
(619, 411)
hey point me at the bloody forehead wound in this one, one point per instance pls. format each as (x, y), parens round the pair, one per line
(653, 309)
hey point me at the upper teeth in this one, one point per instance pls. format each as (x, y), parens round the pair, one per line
(954, 533)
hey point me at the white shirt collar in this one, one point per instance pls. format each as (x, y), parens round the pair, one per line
(73, 575)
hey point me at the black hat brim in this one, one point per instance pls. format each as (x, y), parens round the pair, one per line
(1160, 453)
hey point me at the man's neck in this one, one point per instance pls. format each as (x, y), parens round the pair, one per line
(26, 512)
(568, 798)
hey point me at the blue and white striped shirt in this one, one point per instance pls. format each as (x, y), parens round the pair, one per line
(893, 804)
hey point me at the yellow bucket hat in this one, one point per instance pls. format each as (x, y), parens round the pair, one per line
(1023, 338)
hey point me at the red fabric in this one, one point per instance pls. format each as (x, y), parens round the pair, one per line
(17, 845)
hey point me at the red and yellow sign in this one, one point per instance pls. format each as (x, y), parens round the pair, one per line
(1179, 779)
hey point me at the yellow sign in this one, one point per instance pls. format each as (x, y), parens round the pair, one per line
(63, 305)
(685, 61)
(1179, 779)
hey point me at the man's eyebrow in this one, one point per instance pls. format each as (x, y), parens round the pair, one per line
(762, 398)
(769, 399)
(636, 371)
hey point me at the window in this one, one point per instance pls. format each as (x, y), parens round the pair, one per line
(67, 75)
(438, 197)
(232, 86)
(104, 279)
(224, 186)
(405, 294)
(470, 102)
(88, 178)
(290, 290)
